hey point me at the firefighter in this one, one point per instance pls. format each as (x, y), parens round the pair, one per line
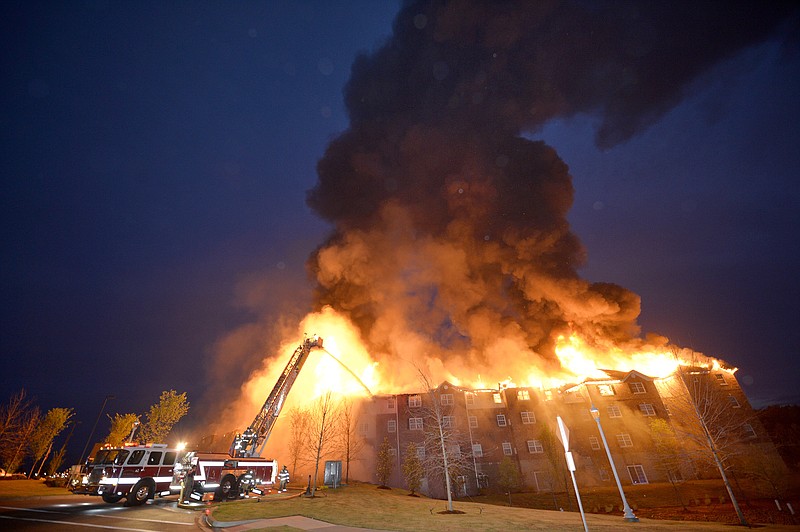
(283, 476)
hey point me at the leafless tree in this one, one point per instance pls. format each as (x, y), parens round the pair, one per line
(323, 421)
(349, 441)
(18, 418)
(298, 435)
(669, 455)
(448, 454)
(704, 415)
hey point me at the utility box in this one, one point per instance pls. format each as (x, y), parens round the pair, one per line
(333, 473)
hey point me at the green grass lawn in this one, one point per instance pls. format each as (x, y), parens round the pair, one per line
(28, 488)
(363, 505)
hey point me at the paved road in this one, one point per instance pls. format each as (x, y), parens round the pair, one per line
(75, 512)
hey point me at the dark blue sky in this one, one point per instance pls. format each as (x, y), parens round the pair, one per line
(155, 156)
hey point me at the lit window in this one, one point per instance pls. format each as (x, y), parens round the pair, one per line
(498, 399)
(448, 422)
(720, 379)
(501, 420)
(414, 401)
(614, 411)
(528, 418)
(473, 422)
(637, 475)
(523, 395)
(624, 440)
(548, 395)
(748, 431)
(734, 401)
(647, 409)
(535, 446)
(637, 387)
(470, 397)
(507, 450)
(447, 398)
(415, 423)
(392, 427)
(594, 442)
(390, 403)
(477, 450)
(605, 389)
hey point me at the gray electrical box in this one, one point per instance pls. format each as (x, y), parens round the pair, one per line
(333, 473)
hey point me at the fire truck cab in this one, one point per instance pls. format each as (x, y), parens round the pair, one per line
(135, 472)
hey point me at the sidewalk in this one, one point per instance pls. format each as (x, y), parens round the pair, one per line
(294, 521)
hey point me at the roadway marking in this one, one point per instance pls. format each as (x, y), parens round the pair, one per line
(88, 515)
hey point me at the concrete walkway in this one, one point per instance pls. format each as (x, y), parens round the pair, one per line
(294, 521)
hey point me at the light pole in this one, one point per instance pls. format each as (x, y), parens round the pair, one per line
(626, 507)
(106, 400)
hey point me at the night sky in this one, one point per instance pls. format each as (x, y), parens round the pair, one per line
(156, 158)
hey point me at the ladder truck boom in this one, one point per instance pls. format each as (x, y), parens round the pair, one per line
(253, 440)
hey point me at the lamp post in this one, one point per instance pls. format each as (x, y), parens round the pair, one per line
(626, 507)
(106, 400)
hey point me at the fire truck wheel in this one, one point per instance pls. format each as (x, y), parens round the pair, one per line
(226, 489)
(142, 491)
(112, 498)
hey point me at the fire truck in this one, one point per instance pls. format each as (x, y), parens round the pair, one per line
(141, 472)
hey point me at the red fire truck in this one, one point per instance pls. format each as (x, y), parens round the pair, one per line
(142, 472)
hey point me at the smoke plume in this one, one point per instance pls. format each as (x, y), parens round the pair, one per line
(450, 237)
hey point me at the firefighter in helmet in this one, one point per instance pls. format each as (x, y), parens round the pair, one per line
(283, 476)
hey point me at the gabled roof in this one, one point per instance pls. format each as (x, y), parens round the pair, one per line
(623, 376)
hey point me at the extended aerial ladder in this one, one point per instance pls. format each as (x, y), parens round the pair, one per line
(252, 441)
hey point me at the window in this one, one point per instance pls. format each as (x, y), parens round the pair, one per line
(594, 442)
(363, 428)
(748, 431)
(497, 398)
(507, 450)
(614, 411)
(675, 475)
(448, 422)
(535, 446)
(154, 458)
(666, 409)
(734, 402)
(392, 425)
(414, 401)
(477, 450)
(605, 389)
(390, 403)
(136, 457)
(420, 452)
(415, 423)
(169, 457)
(720, 379)
(523, 395)
(454, 451)
(470, 398)
(483, 480)
(473, 422)
(392, 452)
(528, 418)
(624, 440)
(501, 420)
(446, 398)
(647, 409)
(637, 475)
(120, 459)
(604, 474)
(548, 395)
(637, 387)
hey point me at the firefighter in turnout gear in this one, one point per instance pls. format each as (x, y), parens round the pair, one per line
(283, 476)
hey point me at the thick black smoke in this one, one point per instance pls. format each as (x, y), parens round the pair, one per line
(450, 226)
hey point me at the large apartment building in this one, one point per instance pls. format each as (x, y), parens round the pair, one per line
(485, 426)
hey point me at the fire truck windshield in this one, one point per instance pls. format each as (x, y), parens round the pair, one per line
(111, 456)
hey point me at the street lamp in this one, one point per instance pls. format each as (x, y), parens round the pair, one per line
(106, 400)
(626, 507)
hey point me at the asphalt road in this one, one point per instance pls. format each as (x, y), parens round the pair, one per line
(91, 513)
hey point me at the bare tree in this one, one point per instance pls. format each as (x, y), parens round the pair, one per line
(19, 442)
(162, 416)
(323, 421)
(299, 420)
(444, 443)
(349, 442)
(707, 417)
(18, 418)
